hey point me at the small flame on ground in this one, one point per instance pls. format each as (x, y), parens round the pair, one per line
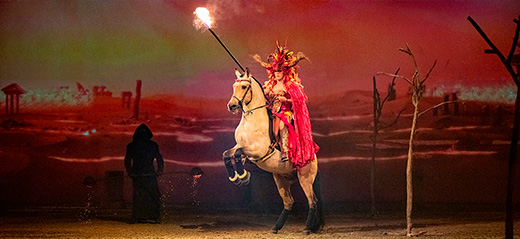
(203, 14)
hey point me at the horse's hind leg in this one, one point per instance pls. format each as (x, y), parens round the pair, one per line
(283, 184)
(306, 176)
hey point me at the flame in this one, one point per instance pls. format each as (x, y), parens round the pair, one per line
(203, 14)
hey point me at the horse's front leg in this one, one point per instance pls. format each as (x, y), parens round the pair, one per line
(237, 174)
(227, 156)
(243, 176)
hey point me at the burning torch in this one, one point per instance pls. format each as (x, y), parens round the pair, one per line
(203, 14)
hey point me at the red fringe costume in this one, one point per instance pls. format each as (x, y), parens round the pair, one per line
(301, 147)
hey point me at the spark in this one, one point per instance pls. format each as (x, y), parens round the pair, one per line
(203, 14)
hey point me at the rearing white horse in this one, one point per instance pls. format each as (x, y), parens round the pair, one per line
(253, 141)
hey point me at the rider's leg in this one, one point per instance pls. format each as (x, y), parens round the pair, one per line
(276, 126)
(284, 141)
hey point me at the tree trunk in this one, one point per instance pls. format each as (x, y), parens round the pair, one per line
(510, 172)
(409, 185)
(374, 144)
(137, 99)
(373, 177)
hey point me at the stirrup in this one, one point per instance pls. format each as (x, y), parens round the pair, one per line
(284, 157)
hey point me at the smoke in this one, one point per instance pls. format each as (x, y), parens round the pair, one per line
(499, 93)
(228, 9)
(62, 97)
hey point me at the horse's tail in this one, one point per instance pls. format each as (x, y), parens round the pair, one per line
(316, 187)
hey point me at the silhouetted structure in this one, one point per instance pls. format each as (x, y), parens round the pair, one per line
(12, 98)
(455, 105)
(126, 97)
(81, 89)
(101, 91)
(446, 110)
(137, 99)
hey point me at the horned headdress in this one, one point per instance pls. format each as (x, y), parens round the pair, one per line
(282, 60)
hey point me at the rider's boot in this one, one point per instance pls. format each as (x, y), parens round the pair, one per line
(284, 141)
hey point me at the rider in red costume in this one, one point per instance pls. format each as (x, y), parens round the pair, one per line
(288, 103)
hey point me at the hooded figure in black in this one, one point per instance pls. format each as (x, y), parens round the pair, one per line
(139, 164)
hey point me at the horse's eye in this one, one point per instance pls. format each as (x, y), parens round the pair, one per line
(244, 87)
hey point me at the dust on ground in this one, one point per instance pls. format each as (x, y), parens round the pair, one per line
(59, 223)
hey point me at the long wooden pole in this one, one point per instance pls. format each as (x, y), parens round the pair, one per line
(225, 48)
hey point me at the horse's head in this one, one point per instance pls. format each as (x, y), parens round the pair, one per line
(242, 92)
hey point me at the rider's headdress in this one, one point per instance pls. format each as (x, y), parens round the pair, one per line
(282, 60)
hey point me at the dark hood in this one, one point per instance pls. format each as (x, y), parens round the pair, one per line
(142, 132)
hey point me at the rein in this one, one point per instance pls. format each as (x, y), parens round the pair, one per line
(240, 101)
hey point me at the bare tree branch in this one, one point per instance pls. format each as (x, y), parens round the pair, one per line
(409, 52)
(428, 74)
(398, 76)
(395, 121)
(388, 93)
(481, 32)
(439, 105)
(377, 97)
(495, 49)
(515, 42)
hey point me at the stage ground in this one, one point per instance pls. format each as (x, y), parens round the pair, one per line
(54, 222)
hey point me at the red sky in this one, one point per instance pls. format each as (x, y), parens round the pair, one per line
(114, 43)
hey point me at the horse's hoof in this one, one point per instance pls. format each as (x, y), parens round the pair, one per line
(306, 232)
(274, 231)
(245, 181)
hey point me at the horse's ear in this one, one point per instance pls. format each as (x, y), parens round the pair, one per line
(247, 72)
(237, 73)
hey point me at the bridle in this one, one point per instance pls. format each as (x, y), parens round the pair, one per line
(241, 101)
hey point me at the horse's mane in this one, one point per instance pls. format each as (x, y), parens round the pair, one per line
(258, 82)
(251, 76)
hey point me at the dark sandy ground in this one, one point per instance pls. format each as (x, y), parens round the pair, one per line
(68, 223)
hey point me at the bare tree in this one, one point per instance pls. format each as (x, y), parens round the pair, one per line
(378, 108)
(508, 62)
(417, 87)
